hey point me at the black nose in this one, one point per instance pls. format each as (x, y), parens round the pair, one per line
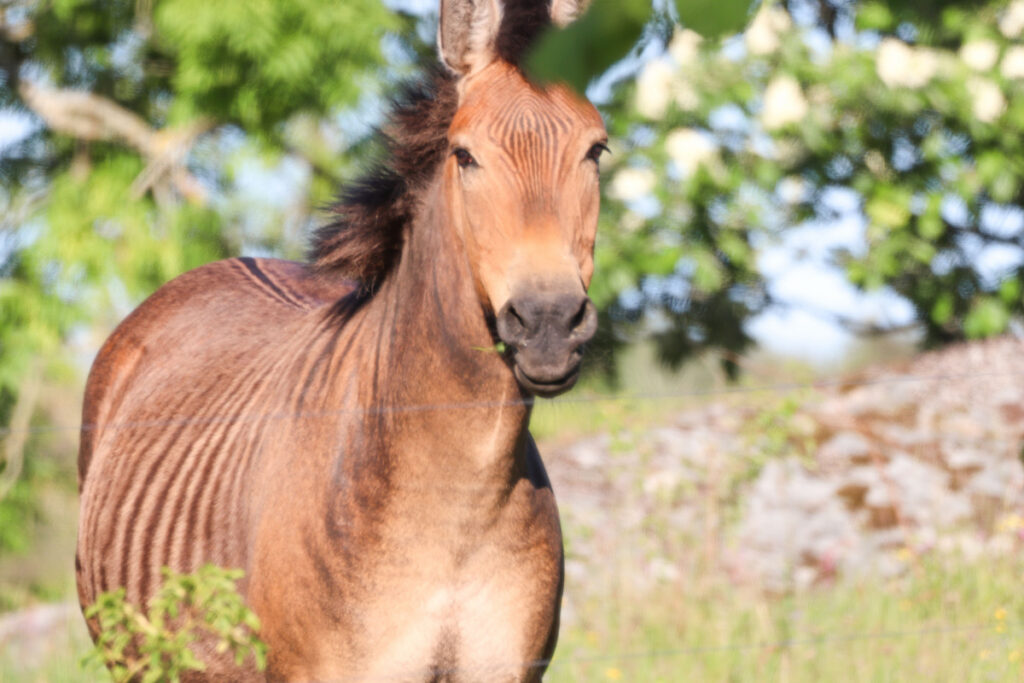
(562, 322)
(546, 332)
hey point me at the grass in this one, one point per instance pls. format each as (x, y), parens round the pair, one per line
(947, 620)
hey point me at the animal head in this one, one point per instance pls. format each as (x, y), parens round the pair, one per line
(518, 168)
(521, 183)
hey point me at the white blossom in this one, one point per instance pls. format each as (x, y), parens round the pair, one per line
(685, 46)
(632, 183)
(762, 36)
(792, 189)
(980, 55)
(899, 65)
(1012, 23)
(654, 89)
(689, 149)
(784, 103)
(988, 101)
(1013, 62)
(686, 97)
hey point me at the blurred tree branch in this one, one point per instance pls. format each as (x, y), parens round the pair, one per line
(88, 117)
(17, 432)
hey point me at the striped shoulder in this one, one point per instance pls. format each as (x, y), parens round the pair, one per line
(288, 283)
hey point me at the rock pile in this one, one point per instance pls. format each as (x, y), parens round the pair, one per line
(862, 475)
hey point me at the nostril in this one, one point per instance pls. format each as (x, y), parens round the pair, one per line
(584, 322)
(516, 319)
(580, 318)
(511, 326)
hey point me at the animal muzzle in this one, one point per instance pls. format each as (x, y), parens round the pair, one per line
(545, 334)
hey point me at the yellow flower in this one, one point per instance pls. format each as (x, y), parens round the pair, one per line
(1014, 656)
(984, 654)
(613, 674)
(1012, 522)
(1000, 614)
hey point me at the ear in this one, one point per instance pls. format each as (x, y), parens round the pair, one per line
(564, 12)
(467, 33)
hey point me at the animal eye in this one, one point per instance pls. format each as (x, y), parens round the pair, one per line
(596, 151)
(463, 157)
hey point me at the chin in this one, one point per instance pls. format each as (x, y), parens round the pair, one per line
(546, 388)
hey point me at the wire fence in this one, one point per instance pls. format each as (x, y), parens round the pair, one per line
(370, 411)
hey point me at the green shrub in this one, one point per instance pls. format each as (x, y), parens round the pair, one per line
(157, 645)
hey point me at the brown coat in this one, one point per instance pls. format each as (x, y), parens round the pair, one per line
(361, 450)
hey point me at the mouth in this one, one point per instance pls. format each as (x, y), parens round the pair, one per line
(547, 388)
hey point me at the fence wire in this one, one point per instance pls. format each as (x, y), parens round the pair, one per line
(370, 411)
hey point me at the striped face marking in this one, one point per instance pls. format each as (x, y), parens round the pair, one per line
(522, 183)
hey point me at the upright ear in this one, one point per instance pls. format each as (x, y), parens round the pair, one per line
(467, 33)
(564, 12)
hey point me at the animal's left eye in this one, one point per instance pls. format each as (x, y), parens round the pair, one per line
(463, 157)
(596, 151)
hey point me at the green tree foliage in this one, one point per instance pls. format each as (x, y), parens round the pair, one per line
(142, 112)
(913, 109)
(146, 122)
(157, 644)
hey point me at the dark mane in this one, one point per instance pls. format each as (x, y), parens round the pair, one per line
(364, 241)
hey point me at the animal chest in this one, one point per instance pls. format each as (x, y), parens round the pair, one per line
(439, 607)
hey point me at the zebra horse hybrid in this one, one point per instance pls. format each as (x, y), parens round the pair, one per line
(349, 431)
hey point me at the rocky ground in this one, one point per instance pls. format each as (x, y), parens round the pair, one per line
(786, 489)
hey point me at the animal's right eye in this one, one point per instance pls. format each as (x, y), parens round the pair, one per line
(463, 157)
(596, 151)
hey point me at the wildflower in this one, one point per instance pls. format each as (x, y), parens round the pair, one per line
(613, 674)
(980, 55)
(1000, 614)
(1014, 656)
(762, 37)
(984, 654)
(899, 65)
(784, 103)
(632, 183)
(689, 149)
(1012, 23)
(653, 89)
(1013, 62)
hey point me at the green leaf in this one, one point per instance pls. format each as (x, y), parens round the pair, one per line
(1009, 291)
(987, 317)
(942, 310)
(714, 18)
(586, 48)
(875, 16)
